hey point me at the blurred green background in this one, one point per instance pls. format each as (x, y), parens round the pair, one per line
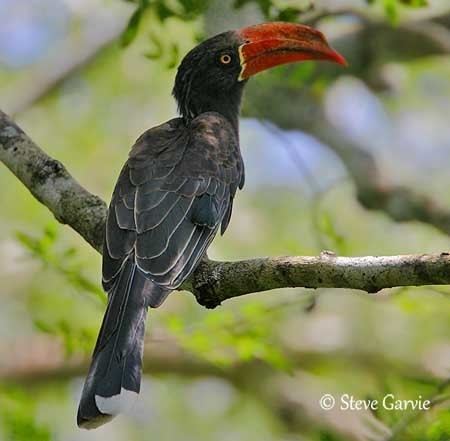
(335, 159)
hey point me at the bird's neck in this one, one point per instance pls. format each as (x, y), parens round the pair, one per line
(227, 105)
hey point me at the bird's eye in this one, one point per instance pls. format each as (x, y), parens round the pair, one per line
(225, 59)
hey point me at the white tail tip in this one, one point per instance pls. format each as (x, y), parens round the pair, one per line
(117, 403)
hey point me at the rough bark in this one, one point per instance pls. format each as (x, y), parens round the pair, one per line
(51, 184)
(217, 281)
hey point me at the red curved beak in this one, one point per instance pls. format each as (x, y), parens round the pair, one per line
(271, 44)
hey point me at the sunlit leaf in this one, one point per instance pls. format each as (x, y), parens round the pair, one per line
(130, 32)
(414, 3)
(163, 12)
(60, 259)
(174, 56)
(288, 14)
(157, 47)
(336, 240)
(391, 10)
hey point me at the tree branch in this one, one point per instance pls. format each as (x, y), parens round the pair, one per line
(45, 359)
(373, 189)
(213, 282)
(51, 184)
(72, 54)
(217, 281)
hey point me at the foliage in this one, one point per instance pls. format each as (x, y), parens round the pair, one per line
(229, 336)
(439, 429)
(51, 312)
(190, 10)
(17, 415)
(186, 10)
(63, 260)
(334, 240)
(271, 10)
(392, 8)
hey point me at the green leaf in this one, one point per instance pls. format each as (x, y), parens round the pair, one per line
(193, 8)
(288, 14)
(163, 11)
(391, 10)
(62, 260)
(414, 3)
(130, 32)
(27, 241)
(391, 7)
(174, 56)
(51, 232)
(158, 49)
(43, 326)
(326, 227)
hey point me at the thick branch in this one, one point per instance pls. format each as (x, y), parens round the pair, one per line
(218, 281)
(51, 184)
(213, 282)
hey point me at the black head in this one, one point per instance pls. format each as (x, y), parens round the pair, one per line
(211, 76)
(208, 77)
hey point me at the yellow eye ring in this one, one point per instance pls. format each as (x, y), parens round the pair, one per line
(225, 59)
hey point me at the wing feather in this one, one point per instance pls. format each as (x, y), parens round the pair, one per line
(155, 241)
(170, 213)
(162, 264)
(173, 194)
(119, 242)
(124, 216)
(150, 200)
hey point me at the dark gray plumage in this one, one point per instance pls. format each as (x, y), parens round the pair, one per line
(173, 194)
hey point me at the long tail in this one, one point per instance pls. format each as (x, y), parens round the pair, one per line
(114, 378)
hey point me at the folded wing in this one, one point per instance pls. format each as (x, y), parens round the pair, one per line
(173, 194)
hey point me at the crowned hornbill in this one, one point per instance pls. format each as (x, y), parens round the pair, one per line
(174, 193)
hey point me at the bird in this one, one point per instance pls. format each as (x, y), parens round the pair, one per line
(173, 195)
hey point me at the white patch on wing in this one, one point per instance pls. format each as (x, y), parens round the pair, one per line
(117, 403)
